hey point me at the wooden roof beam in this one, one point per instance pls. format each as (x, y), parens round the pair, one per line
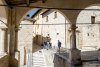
(7, 2)
(27, 2)
(43, 1)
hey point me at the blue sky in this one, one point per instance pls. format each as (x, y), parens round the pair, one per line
(31, 13)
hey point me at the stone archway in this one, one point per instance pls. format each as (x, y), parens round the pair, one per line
(70, 14)
(88, 39)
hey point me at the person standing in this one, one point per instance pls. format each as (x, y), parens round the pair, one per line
(50, 44)
(59, 45)
(45, 43)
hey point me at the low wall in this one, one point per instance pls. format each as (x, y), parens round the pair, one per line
(4, 61)
(61, 61)
(56, 59)
(49, 56)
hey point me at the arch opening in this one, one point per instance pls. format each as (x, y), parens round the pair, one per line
(88, 25)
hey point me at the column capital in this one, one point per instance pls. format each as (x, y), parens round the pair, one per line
(3, 27)
(17, 29)
(73, 27)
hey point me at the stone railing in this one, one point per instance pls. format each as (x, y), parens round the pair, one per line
(61, 61)
(4, 61)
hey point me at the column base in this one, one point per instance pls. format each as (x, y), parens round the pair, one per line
(15, 59)
(75, 56)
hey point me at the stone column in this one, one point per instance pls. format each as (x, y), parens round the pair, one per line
(74, 53)
(73, 37)
(3, 40)
(16, 39)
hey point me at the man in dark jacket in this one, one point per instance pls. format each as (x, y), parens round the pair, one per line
(59, 45)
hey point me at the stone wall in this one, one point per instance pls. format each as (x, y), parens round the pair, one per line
(54, 32)
(25, 35)
(89, 35)
(25, 40)
(56, 60)
(4, 61)
(60, 61)
(37, 33)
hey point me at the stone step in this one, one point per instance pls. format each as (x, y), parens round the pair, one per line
(38, 61)
(37, 52)
(39, 65)
(37, 58)
(37, 55)
(91, 64)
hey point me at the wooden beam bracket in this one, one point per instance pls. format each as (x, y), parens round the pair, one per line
(27, 2)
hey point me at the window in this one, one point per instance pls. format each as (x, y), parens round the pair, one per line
(55, 15)
(46, 18)
(48, 34)
(92, 19)
(57, 33)
(88, 34)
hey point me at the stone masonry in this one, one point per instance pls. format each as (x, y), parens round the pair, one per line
(25, 40)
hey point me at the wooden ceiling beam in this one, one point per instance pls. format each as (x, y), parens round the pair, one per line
(7, 2)
(27, 2)
(43, 1)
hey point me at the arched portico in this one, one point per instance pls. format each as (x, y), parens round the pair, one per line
(13, 16)
(71, 15)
